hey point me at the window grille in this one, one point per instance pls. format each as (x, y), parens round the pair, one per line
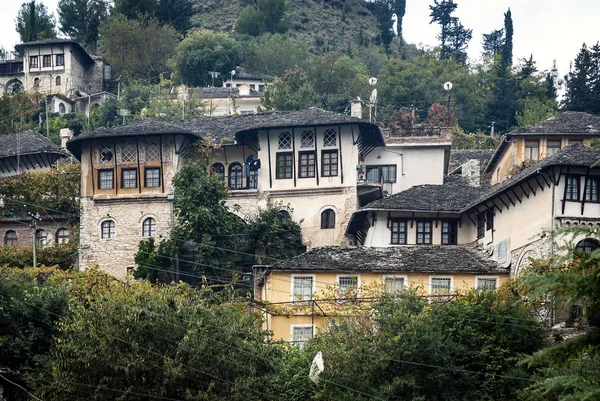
(330, 138)
(149, 227)
(300, 335)
(587, 245)
(152, 152)
(107, 229)
(285, 140)
(440, 284)
(129, 152)
(106, 154)
(347, 283)
(486, 283)
(307, 139)
(303, 288)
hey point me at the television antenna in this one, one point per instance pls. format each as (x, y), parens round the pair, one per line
(123, 113)
(447, 88)
(213, 75)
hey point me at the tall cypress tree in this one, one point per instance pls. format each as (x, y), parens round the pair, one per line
(578, 93)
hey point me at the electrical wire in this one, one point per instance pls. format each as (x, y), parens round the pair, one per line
(21, 387)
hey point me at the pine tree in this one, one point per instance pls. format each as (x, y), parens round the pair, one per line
(578, 94)
(81, 19)
(528, 68)
(454, 37)
(493, 43)
(34, 23)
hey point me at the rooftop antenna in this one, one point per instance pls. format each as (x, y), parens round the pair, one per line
(373, 99)
(448, 88)
(214, 74)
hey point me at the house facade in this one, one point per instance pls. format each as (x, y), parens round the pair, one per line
(526, 146)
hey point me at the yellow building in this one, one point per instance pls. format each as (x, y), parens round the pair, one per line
(528, 145)
(301, 294)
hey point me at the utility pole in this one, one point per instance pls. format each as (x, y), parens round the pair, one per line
(492, 129)
(119, 87)
(34, 220)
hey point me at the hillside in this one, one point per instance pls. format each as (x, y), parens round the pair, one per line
(324, 25)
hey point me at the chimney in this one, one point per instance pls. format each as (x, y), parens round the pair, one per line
(65, 135)
(356, 108)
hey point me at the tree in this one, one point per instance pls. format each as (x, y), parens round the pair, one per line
(578, 94)
(203, 51)
(19, 111)
(265, 16)
(493, 43)
(137, 49)
(569, 369)
(272, 234)
(81, 19)
(454, 37)
(175, 13)
(132, 9)
(272, 54)
(528, 68)
(292, 91)
(34, 23)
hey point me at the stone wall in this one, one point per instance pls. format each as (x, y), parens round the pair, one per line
(114, 255)
(25, 232)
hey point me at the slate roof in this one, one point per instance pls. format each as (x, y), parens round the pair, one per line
(569, 123)
(402, 259)
(57, 41)
(450, 197)
(572, 155)
(142, 127)
(26, 143)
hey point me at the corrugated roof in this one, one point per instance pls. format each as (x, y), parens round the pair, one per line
(435, 259)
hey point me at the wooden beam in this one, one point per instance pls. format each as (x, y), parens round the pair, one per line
(530, 187)
(294, 155)
(524, 192)
(516, 196)
(162, 168)
(317, 166)
(497, 207)
(504, 203)
(341, 154)
(92, 172)
(269, 156)
(538, 182)
(510, 199)
(585, 184)
(139, 170)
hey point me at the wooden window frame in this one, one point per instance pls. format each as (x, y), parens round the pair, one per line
(100, 180)
(589, 191)
(451, 233)
(327, 222)
(60, 60)
(569, 194)
(480, 225)
(379, 169)
(126, 182)
(308, 164)
(424, 233)
(327, 162)
(31, 62)
(149, 230)
(237, 176)
(46, 61)
(281, 172)
(398, 232)
(146, 178)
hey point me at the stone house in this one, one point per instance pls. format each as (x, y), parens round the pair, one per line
(308, 159)
(444, 237)
(26, 152)
(525, 146)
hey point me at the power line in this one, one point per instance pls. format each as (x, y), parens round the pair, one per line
(21, 387)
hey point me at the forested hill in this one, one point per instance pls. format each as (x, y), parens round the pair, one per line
(323, 25)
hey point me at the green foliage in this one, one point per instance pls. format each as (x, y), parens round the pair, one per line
(18, 112)
(171, 108)
(137, 49)
(272, 55)
(265, 16)
(43, 191)
(159, 341)
(533, 110)
(412, 350)
(569, 370)
(474, 141)
(153, 261)
(203, 51)
(454, 37)
(583, 81)
(81, 19)
(273, 234)
(175, 13)
(62, 257)
(34, 23)
(292, 91)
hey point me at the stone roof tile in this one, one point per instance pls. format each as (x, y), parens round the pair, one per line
(27, 142)
(436, 259)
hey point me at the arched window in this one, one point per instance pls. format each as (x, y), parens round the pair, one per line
(10, 238)
(235, 176)
(41, 237)
(307, 140)
(219, 170)
(36, 83)
(57, 81)
(149, 227)
(61, 108)
(327, 219)
(587, 245)
(330, 138)
(107, 229)
(62, 236)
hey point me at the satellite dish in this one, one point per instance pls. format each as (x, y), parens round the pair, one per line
(372, 81)
(448, 86)
(373, 98)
